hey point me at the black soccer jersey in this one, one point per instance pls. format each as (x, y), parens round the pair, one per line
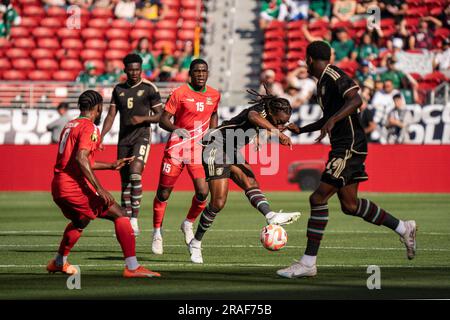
(347, 134)
(137, 100)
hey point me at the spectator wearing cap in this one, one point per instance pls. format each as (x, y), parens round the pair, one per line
(441, 61)
(364, 72)
(88, 76)
(400, 38)
(320, 9)
(57, 126)
(344, 46)
(299, 78)
(343, 10)
(398, 78)
(367, 50)
(274, 87)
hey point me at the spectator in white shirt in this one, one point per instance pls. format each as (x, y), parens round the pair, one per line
(299, 79)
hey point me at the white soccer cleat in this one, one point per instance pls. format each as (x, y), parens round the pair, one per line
(187, 229)
(157, 245)
(298, 270)
(195, 249)
(409, 239)
(135, 226)
(282, 218)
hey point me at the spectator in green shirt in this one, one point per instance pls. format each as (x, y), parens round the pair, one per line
(186, 58)
(3, 27)
(148, 60)
(320, 9)
(88, 77)
(344, 47)
(167, 64)
(11, 17)
(270, 10)
(110, 76)
(397, 77)
(364, 73)
(367, 50)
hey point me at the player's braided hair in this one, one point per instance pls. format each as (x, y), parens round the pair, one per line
(271, 103)
(89, 99)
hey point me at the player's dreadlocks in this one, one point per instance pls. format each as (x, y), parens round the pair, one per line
(89, 99)
(271, 103)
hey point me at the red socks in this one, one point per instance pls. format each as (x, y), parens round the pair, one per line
(70, 237)
(197, 207)
(125, 236)
(159, 209)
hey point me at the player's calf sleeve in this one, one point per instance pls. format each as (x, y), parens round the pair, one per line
(126, 198)
(316, 227)
(136, 194)
(125, 236)
(70, 237)
(372, 213)
(159, 209)
(258, 200)
(197, 206)
(206, 221)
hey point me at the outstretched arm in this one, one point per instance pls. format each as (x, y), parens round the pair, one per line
(116, 165)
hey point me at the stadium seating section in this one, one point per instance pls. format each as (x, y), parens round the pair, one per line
(42, 48)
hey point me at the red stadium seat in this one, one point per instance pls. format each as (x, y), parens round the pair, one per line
(93, 33)
(67, 54)
(14, 75)
(47, 64)
(29, 22)
(26, 43)
(42, 53)
(91, 54)
(15, 53)
(102, 13)
(119, 44)
(43, 32)
(189, 24)
(299, 45)
(172, 15)
(98, 44)
(165, 24)
(39, 75)
(159, 45)
(186, 35)
(190, 15)
(64, 75)
(4, 64)
(99, 66)
(116, 63)
(296, 55)
(49, 43)
(56, 11)
(276, 25)
(75, 44)
(19, 32)
(33, 11)
(165, 35)
(296, 25)
(116, 34)
(343, 24)
(191, 4)
(51, 22)
(115, 54)
(65, 33)
(23, 64)
(442, 33)
(99, 23)
(435, 77)
(143, 24)
(121, 24)
(136, 34)
(71, 64)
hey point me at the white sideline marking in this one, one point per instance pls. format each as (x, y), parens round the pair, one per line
(7, 232)
(31, 266)
(55, 245)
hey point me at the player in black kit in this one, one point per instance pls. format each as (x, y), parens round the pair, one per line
(339, 99)
(222, 160)
(139, 104)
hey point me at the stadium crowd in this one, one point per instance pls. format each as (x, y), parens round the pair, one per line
(368, 50)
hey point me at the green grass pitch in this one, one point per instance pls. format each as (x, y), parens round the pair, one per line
(236, 265)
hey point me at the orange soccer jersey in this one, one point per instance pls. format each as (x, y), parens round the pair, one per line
(192, 111)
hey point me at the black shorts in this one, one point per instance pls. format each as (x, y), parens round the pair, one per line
(140, 150)
(344, 168)
(217, 163)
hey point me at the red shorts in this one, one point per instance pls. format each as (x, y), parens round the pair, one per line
(81, 204)
(172, 168)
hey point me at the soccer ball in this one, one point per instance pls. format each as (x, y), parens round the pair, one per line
(273, 237)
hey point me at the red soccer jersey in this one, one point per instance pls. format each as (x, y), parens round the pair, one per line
(80, 133)
(192, 111)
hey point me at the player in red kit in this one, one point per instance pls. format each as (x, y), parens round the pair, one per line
(193, 107)
(78, 193)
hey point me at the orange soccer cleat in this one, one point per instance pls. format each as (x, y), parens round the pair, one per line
(140, 272)
(67, 268)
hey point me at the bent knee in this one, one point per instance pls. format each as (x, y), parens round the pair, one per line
(349, 208)
(164, 194)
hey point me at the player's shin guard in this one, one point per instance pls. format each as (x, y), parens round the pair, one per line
(70, 237)
(197, 207)
(126, 198)
(372, 213)
(258, 200)
(136, 194)
(125, 236)
(159, 209)
(316, 227)
(206, 221)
